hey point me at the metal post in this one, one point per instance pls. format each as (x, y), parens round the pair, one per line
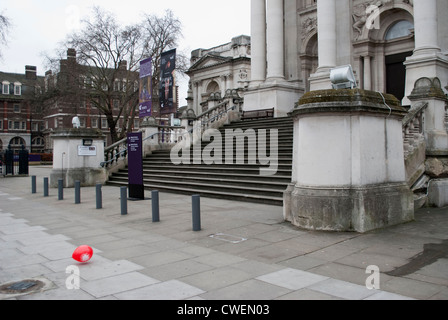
(99, 197)
(60, 189)
(155, 206)
(196, 199)
(33, 185)
(77, 192)
(45, 187)
(124, 200)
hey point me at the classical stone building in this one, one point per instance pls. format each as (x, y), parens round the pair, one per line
(389, 43)
(217, 72)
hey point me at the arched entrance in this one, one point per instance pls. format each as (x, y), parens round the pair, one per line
(309, 59)
(16, 144)
(395, 68)
(380, 58)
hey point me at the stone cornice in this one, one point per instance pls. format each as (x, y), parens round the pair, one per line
(348, 101)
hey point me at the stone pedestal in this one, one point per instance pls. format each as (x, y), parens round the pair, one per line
(279, 95)
(430, 90)
(77, 155)
(348, 168)
(428, 59)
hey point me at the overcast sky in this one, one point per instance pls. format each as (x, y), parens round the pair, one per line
(39, 25)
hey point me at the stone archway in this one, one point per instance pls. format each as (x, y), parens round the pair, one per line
(383, 49)
(212, 87)
(16, 143)
(309, 58)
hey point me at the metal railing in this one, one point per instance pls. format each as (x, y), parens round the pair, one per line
(169, 135)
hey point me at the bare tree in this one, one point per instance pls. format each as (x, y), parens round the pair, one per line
(108, 59)
(5, 25)
(162, 33)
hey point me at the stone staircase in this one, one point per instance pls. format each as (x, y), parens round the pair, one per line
(239, 182)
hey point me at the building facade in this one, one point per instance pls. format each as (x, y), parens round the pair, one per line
(217, 72)
(21, 121)
(89, 94)
(389, 43)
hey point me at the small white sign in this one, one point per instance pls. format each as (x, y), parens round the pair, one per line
(86, 151)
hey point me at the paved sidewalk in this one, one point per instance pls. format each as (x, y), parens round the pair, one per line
(244, 251)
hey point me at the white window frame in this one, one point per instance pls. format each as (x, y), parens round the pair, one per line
(17, 89)
(5, 84)
(94, 123)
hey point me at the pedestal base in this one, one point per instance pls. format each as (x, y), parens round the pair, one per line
(88, 177)
(281, 96)
(351, 209)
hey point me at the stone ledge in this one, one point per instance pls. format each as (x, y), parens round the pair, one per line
(349, 101)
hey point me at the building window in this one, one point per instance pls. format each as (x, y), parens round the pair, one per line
(5, 87)
(82, 122)
(94, 123)
(17, 142)
(16, 108)
(117, 85)
(116, 104)
(17, 89)
(104, 123)
(400, 29)
(38, 142)
(17, 125)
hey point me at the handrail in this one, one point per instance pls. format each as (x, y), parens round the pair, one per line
(203, 123)
(413, 112)
(413, 126)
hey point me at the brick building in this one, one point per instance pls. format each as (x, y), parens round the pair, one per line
(90, 94)
(21, 122)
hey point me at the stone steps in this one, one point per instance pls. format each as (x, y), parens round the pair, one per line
(232, 181)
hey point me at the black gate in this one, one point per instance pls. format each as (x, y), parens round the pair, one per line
(15, 163)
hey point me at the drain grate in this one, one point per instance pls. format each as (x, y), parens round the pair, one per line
(21, 287)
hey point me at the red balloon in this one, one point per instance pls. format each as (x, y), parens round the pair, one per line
(83, 254)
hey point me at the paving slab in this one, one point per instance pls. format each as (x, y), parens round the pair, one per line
(244, 251)
(292, 279)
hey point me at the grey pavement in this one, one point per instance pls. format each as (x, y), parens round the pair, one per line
(244, 251)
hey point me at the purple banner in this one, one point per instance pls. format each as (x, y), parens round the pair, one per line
(167, 85)
(135, 165)
(145, 89)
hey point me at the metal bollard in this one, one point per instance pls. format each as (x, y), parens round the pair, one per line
(33, 185)
(124, 200)
(60, 189)
(196, 199)
(45, 187)
(99, 197)
(155, 206)
(77, 192)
